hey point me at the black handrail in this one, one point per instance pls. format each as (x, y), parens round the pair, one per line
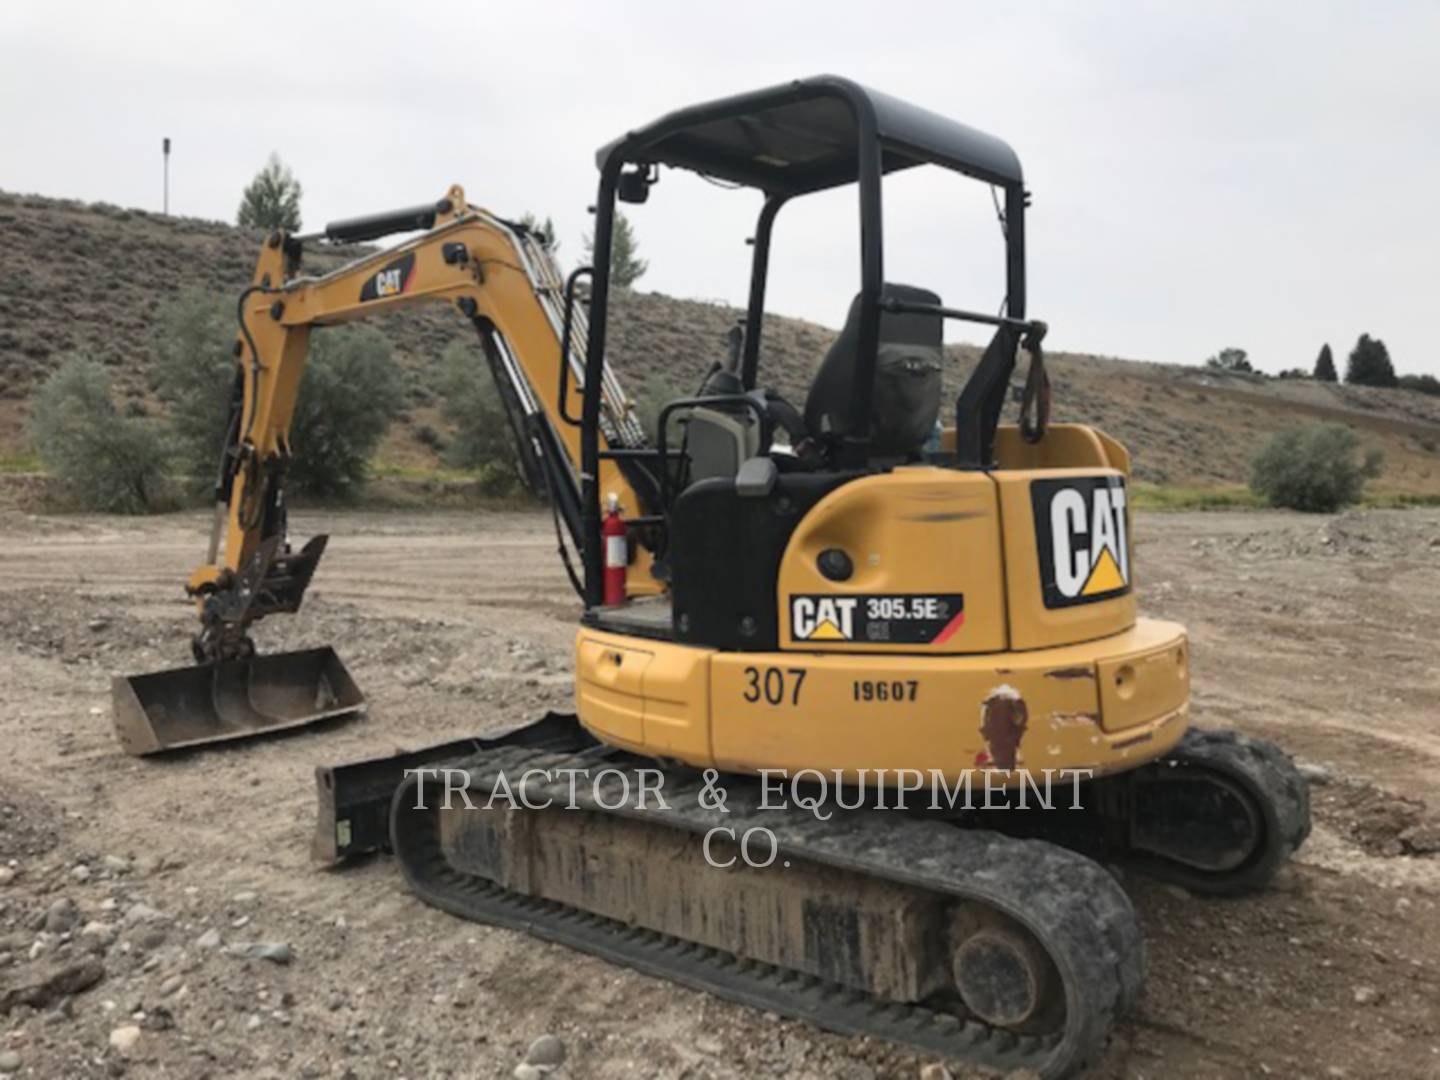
(911, 307)
(570, 284)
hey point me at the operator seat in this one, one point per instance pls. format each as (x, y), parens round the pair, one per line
(906, 400)
(719, 440)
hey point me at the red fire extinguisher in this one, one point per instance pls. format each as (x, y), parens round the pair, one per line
(617, 554)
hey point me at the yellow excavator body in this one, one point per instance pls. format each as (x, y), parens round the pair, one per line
(973, 668)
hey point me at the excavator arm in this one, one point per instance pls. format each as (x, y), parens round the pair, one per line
(532, 331)
(498, 275)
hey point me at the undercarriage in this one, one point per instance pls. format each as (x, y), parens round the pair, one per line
(994, 937)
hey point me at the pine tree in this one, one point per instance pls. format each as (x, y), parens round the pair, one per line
(1370, 364)
(272, 201)
(626, 266)
(1325, 364)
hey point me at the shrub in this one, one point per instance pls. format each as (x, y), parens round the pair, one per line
(483, 438)
(194, 373)
(1425, 384)
(103, 459)
(1313, 468)
(349, 395)
(1231, 359)
(656, 391)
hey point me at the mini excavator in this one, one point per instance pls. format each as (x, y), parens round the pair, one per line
(849, 587)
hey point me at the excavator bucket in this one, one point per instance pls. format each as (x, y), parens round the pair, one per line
(236, 699)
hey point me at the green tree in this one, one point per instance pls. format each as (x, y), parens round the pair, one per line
(1230, 359)
(543, 230)
(1325, 364)
(272, 201)
(1314, 468)
(483, 439)
(626, 266)
(193, 374)
(103, 459)
(1370, 364)
(349, 395)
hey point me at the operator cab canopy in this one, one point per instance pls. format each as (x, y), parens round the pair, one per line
(807, 135)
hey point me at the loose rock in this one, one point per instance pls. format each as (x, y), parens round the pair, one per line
(210, 939)
(138, 913)
(124, 1038)
(1314, 772)
(62, 915)
(526, 1071)
(277, 952)
(9, 1061)
(546, 1052)
(1422, 839)
(57, 983)
(101, 934)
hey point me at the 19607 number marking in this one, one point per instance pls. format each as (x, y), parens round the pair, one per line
(886, 689)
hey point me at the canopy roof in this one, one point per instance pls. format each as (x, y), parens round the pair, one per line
(805, 135)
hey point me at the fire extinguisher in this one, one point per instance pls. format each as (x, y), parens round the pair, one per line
(617, 553)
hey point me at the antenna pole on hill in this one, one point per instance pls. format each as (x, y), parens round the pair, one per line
(165, 147)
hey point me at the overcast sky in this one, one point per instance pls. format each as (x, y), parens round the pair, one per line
(1262, 175)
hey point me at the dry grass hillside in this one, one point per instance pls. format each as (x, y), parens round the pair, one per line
(90, 278)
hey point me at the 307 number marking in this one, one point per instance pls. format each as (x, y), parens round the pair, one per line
(886, 689)
(774, 685)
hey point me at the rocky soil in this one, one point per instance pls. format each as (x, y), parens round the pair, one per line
(163, 918)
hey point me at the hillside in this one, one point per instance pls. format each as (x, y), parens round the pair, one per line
(90, 278)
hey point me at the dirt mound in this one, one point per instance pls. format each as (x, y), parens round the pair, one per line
(91, 277)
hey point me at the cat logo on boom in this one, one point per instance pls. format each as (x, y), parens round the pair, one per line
(392, 279)
(1084, 545)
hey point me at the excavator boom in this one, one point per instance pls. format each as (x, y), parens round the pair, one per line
(501, 277)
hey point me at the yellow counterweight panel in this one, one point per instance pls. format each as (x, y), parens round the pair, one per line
(916, 531)
(1045, 709)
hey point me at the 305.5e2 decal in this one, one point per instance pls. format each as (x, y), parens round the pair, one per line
(890, 619)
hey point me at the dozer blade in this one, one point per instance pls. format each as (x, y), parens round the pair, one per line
(236, 699)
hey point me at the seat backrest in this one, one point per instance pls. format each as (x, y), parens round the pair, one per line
(906, 399)
(717, 443)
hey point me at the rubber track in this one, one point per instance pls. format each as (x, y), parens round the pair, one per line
(1280, 793)
(1070, 903)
